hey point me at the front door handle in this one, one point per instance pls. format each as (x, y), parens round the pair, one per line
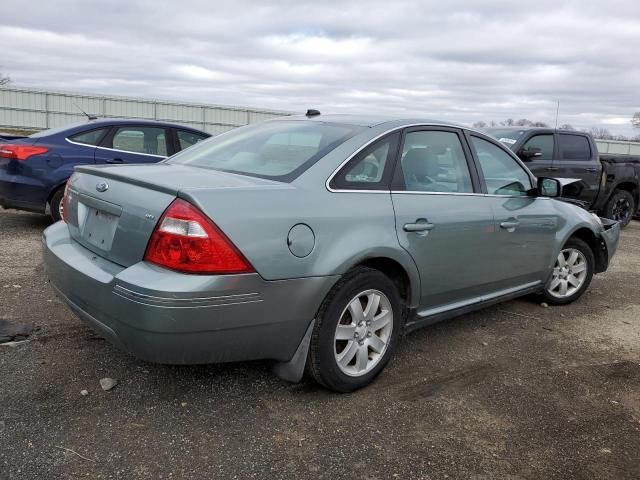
(592, 170)
(510, 225)
(420, 225)
(552, 169)
(115, 160)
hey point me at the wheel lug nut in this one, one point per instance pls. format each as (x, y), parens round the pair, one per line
(361, 342)
(368, 334)
(356, 335)
(368, 323)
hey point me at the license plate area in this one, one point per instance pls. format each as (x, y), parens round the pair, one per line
(97, 227)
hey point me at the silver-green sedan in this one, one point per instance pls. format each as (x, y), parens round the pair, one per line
(314, 241)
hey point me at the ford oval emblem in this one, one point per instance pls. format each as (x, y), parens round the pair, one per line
(102, 187)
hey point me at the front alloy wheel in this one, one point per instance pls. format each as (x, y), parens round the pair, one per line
(572, 273)
(569, 273)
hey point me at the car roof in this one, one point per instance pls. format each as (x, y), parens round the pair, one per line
(134, 121)
(371, 120)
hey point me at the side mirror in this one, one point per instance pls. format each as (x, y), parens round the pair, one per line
(549, 187)
(529, 153)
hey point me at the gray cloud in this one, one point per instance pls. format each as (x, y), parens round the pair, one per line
(459, 60)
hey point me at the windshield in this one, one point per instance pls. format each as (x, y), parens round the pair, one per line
(507, 136)
(278, 150)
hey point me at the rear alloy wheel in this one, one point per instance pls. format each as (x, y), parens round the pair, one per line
(572, 273)
(356, 331)
(621, 207)
(56, 205)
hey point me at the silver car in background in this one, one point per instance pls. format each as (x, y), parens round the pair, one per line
(314, 241)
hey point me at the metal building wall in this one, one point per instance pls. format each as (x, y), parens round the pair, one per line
(619, 147)
(33, 109)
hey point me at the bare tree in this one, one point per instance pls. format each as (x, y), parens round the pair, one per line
(601, 133)
(480, 124)
(508, 123)
(566, 126)
(635, 120)
(4, 80)
(540, 124)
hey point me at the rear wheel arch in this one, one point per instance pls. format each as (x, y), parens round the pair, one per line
(397, 273)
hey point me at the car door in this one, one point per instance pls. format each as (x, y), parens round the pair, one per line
(544, 144)
(442, 220)
(525, 223)
(133, 144)
(576, 159)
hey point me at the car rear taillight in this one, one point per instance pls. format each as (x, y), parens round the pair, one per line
(187, 241)
(20, 152)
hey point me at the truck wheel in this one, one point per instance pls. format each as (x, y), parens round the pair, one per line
(55, 205)
(621, 207)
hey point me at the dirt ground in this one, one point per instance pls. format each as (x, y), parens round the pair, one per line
(515, 391)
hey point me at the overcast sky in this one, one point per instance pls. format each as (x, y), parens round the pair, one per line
(461, 60)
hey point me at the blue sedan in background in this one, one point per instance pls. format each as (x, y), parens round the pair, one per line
(34, 169)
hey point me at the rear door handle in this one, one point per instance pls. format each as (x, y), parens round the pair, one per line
(420, 225)
(510, 225)
(115, 160)
(552, 169)
(592, 170)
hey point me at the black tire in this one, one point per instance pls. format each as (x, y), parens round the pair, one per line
(321, 362)
(590, 261)
(621, 207)
(54, 204)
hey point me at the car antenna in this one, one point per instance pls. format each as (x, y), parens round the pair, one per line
(312, 113)
(557, 112)
(90, 117)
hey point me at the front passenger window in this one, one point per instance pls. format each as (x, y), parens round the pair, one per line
(503, 175)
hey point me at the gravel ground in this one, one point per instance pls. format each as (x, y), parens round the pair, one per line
(515, 391)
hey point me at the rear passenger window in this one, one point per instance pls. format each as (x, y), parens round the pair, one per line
(91, 137)
(544, 143)
(370, 168)
(147, 140)
(187, 139)
(434, 161)
(503, 175)
(574, 147)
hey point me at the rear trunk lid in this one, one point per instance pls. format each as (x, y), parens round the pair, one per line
(113, 210)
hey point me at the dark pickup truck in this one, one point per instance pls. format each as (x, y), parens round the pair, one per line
(610, 184)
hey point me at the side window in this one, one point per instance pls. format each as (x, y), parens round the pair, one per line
(370, 169)
(574, 147)
(92, 137)
(148, 140)
(434, 161)
(186, 138)
(502, 173)
(544, 143)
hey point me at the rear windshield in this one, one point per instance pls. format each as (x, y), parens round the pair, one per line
(278, 150)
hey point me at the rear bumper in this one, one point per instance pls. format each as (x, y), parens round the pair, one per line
(19, 191)
(168, 317)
